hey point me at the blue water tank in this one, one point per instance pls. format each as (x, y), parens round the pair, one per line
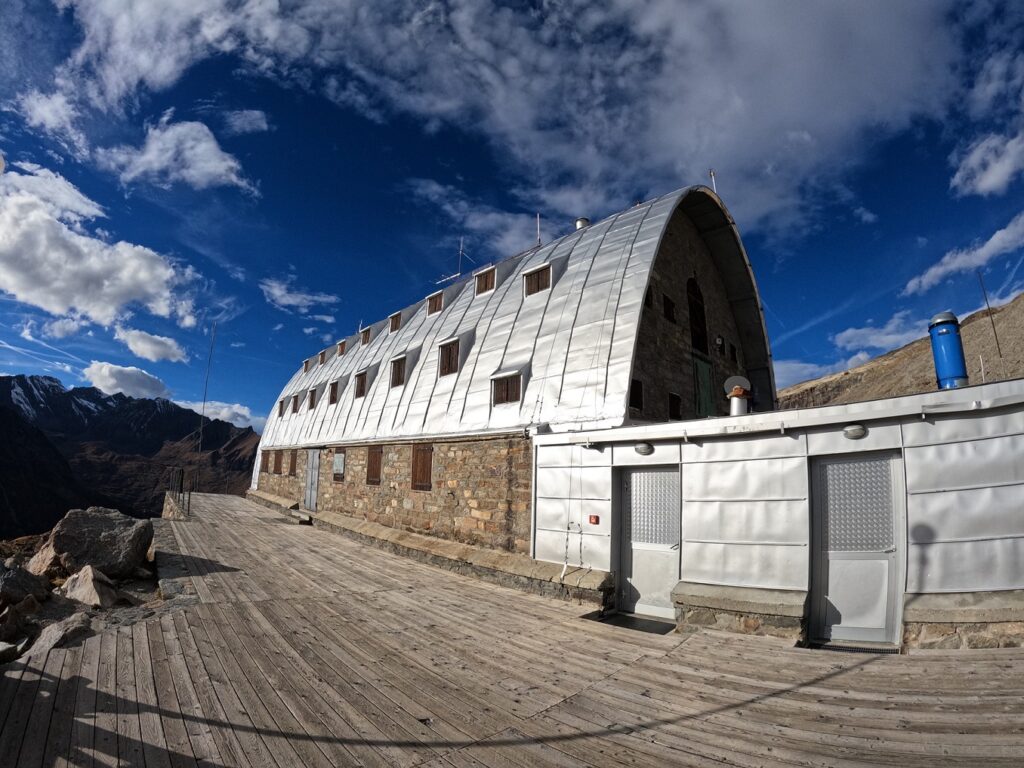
(947, 351)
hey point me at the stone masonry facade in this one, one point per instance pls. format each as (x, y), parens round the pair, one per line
(480, 489)
(664, 354)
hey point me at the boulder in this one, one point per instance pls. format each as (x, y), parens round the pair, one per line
(11, 651)
(75, 626)
(91, 587)
(12, 618)
(16, 584)
(103, 538)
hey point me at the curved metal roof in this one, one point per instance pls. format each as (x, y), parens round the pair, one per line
(573, 343)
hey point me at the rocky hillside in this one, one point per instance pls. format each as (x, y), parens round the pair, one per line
(112, 450)
(910, 369)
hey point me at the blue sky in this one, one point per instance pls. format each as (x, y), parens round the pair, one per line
(290, 172)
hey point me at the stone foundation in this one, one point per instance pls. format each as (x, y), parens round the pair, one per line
(964, 620)
(480, 490)
(779, 613)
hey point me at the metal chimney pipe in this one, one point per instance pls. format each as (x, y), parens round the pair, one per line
(582, 222)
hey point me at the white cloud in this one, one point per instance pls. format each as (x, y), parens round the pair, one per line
(235, 413)
(898, 330)
(237, 344)
(278, 327)
(149, 346)
(1006, 240)
(864, 215)
(990, 165)
(241, 121)
(790, 372)
(186, 153)
(310, 331)
(54, 114)
(323, 318)
(594, 103)
(130, 380)
(281, 293)
(63, 327)
(49, 261)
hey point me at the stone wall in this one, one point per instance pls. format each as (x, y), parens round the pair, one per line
(480, 490)
(664, 357)
(284, 485)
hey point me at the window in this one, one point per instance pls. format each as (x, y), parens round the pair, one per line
(675, 407)
(280, 408)
(422, 464)
(374, 459)
(364, 336)
(395, 322)
(277, 462)
(339, 465)
(305, 365)
(398, 372)
(732, 353)
(435, 303)
(322, 358)
(506, 389)
(341, 348)
(312, 399)
(264, 461)
(698, 320)
(537, 281)
(332, 396)
(485, 282)
(295, 403)
(636, 395)
(361, 384)
(449, 358)
(649, 298)
(293, 460)
(668, 308)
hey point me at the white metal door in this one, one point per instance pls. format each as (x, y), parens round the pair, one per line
(857, 569)
(649, 555)
(312, 479)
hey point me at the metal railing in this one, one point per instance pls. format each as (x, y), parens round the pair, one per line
(183, 482)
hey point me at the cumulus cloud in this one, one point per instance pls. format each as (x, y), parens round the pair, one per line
(990, 165)
(1006, 240)
(790, 372)
(54, 114)
(150, 347)
(864, 215)
(898, 330)
(128, 380)
(186, 153)
(323, 318)
(282, 293)
(63, 327)
(49, 261)
(594, 104)
(235, 413)
(241, 121)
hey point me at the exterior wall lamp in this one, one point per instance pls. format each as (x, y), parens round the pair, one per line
(644, 449)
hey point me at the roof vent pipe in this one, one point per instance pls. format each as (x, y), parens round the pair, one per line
(947, 351)
(582, 222)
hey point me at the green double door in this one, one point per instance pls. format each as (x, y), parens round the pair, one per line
(704, 396)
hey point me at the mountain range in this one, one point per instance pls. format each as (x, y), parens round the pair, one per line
(62, 448)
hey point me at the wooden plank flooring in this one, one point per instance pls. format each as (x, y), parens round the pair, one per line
(308, 649)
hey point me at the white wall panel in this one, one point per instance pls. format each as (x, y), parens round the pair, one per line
(573, 456)
(764, 566)
(759, 446)
(966, 566)
(973, 514)
(664, 453)
(962, 426)
(557, 514)
(551, 548)
(969, 464)
(747, 521)
(574, 482)
(748, 480)
(831, 440)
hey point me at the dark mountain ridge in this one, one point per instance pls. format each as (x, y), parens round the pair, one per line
(117, 450)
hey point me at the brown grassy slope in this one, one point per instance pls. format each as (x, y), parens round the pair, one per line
(909, 370)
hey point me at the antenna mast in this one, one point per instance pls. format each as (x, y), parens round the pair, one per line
(538, 229)
(202, 415)
(992, 320)
(714, 187)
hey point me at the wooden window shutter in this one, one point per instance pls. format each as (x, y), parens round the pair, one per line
(332, 396)
(280, 408)
(395, 322)
(322, 358)
(538, 280)
(361, 384)
(264, 461)
(398, 372)
(293, 460)
(422, 466)
(341, 348)
(277, 462)
(305, 366)
(312, 399)
(364, 336)
(374, 459)
(295, 403)
(507, 389)
(485, 281)
(449, 354)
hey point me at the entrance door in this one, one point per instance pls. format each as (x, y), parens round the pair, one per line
(857, 556)
(704, 396)
(649, 555)
(312, 479)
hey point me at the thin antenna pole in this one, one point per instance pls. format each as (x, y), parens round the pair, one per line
(459, 270)
(538, 228)
(982, 361)
(202, 415)
(995, 334)
(714, 187)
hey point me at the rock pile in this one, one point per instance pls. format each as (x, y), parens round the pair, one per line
(82, 556)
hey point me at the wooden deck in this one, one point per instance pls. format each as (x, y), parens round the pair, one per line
(310, 650)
